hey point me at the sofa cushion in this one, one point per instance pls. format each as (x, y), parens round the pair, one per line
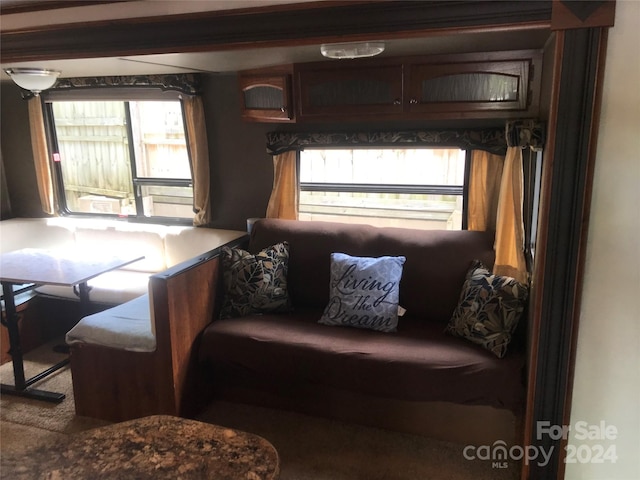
(432, 276)
(127, 327)
(255, 283)
(489, 309)
(364, 292)
(417, 363)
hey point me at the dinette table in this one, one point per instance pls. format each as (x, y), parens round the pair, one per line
(156, 447)
(65, 267)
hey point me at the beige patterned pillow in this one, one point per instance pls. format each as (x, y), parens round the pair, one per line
(489, 309)
(255, 283)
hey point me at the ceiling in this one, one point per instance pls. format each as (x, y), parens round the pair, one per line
(223, 61)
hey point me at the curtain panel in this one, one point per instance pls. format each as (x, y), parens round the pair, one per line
(44, 177)
(283, 202)
(509, 242)
(484, 190)
(199, 157)
(495, 203)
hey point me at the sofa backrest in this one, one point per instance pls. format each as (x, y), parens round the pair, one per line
(433, 274)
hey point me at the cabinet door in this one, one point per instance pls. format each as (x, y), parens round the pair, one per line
(265, 98)
(468, 87)
(341, 91)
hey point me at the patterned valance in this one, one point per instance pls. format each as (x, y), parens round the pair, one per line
(188, 83)
(491, 140)
(526, 134)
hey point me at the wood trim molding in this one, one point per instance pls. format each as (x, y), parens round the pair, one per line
(566, 203)
(26, 6)
(230, 29)
(569, 14)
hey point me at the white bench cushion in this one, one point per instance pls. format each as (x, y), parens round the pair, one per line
(137, 240)
(183, 243)
(127, 327)
(162, 247)
(17, 233)
(117, 286)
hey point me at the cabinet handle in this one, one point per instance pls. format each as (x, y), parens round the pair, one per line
(413, 101)
(397, 101)
(283, 109)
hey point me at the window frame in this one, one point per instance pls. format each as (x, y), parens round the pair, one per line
(463, 190)
(125, 96)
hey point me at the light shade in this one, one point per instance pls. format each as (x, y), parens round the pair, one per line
(33, 79)
(352, 49)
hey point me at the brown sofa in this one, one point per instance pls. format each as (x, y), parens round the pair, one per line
(417, 379)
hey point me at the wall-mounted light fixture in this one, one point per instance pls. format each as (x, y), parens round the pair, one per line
(33, 79)
(352, 49)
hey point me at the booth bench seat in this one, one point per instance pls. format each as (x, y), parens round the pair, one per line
(126, 326)
(125, 364)
(134, 358)
(161, 246)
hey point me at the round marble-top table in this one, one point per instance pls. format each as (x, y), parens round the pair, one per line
(155, 447)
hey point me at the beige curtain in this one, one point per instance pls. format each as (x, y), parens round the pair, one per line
(284, 195)
(509, 243)
(484, 190)
(44, 177)
(196, 131)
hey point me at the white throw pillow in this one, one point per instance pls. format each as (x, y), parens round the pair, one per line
(364, 292)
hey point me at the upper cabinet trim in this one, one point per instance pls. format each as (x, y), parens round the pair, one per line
(267, 27)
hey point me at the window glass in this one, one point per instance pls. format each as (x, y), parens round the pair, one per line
(414, 188)
(124, 158)
(159, 140)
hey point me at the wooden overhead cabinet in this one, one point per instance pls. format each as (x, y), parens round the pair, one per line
(266, 98)
(336, 90)
(464, 85)
(476, 85)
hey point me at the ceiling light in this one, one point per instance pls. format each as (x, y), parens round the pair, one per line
(352, 50)
(33, 79)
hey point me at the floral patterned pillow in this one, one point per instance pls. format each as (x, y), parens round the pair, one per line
(364, 292)
(489, 309)
(255, 283)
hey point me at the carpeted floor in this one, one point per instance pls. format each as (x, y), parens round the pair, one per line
(310, 448)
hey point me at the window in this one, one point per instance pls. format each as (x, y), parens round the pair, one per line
(126, 158)
(408, 187)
